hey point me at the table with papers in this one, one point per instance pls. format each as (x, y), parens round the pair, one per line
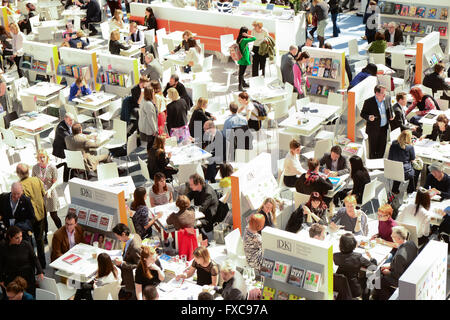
(436, 218)
(95, 102)
(187, 154)
(44, 91)
(267, 93)
(430, 151)
(409, 51)
(319, 110)
(167, 209)
(178, 58)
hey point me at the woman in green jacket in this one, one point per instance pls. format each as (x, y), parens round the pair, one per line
(379, 45)
(243, 40)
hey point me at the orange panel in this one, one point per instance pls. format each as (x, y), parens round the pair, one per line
(351, 115)
(236, 203)
(122, 208)
(419, 64)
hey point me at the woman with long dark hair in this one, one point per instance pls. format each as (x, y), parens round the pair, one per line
(7, 46)
(148, 272)
(315, 210)
(161, 192)
(243, 40)
(150, 19)
(158, 160)
(140, 218)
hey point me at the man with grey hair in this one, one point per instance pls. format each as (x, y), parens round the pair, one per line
(63, 130)
(393, 35)
(16, 210)
(438, 181)
(153, 68)
(234, 286)
(33, 188)
(287, 63)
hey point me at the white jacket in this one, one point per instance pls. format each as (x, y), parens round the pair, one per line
(148, 118)
(421, 220)
(17, 43)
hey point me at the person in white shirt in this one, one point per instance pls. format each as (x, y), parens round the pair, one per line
(136, 36)
(17, 46)
(194, 56)
(418, 214)
(117, 21)
(148, 117)
(292, 166)
(247, 109)
(259, 62)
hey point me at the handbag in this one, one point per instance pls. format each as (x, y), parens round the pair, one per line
(221, 230)
(417, 164)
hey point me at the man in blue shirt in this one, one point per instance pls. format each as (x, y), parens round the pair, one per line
(79, 88)
(233, 121)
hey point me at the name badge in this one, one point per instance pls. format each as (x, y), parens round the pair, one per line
(12, 221)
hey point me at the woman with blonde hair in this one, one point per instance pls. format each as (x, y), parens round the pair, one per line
(402, 150)
(48, 174)
(117, 20)
(253, 240)
(114, 43)
(207, 270)
(17, 46)
(77, 42)
(198, 119)
(177, 111)
(148, 272)
(259, 62)
(350, 218)
(268, 209)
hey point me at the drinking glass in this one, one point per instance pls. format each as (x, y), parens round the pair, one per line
(183, 258)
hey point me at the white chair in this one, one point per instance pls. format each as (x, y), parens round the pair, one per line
(369, 192)
(131, 146)
(9, 138)
(160, 33)
(427, 128)
(78, 117)
(28, 103)
(393, 170)
(75, 160)
(62, 291)
(321, 147)
(170, 43)
(335, 99)
(377, 58)
(443, 104)
(163, 50)
(280, 109)
(300, 103)
(104, 27)
(208, 63)
(42, 294)
(33, 22)
(353, 52)
(144, 170)
(107, 292)
(398, 61)
(300, 198)
(149, 37)
(256, 82)
(382, 197)
(199, 90)
(186, 170)
(222, 89)
(226, 40)
(113, 110)
(120, 134)
(46, 33)
(289, 89)
(107, 171)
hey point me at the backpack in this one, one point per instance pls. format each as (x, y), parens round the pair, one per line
(261, 112)
(235, 52)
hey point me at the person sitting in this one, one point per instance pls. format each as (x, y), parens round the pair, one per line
(149, 271)
(402, 150)
(424, 102)
(315, 210)
(131, 255)
(398, 110)
(207, 269)
(142, 222)
(80, 142)
(379, 45)
(78, 89)
(360, 177)
(438, 181)
(308, 43)
(205, 198)
(117, 22)
(77, 42)
(234, 286)
(334, 164)
(292, 167)
(135, 37)
(63, 129)
(150, 293)
(115, 45)
(153, 68)
(184, 43)
(268, 210)
(287, 64)
(177, 122)
(234, 120)
(25, 24)
(205, 295)
(158, 160)
(393, 35)
(436, 81)
(253, 241)
(350, 219)
(185, 217)
(418, 214)
(66, 237)
(198, 118)
(369, 70)
(441, 129)
(161, 192)
(311, 180)
(385, 223)
(391, 273)
(69, 33)
(15, 290)
(247, 107)
(194, 57)
(174, 82)
(93, 14)
(317, 231)
(349, 263)
(150, 19)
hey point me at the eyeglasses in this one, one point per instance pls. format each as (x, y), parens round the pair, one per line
(382, 215)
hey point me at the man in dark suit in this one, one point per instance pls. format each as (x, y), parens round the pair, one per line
(63, 129)
(393, 35)
(436, 81)
(334, 163)
(17, 210)
(377, 112)
(398, 111)
(287, 62)
(175, 83)
(131, 255)
(93, 14)
(61, 242)
(405, 255)
(214, 142)
(234, 286)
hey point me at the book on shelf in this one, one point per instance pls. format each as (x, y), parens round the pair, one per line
(402, 26)
(415, 27)
(313, 89)
(443, 31)
(319, 89)
(321, 72)
(407, 28)
(421, 30)
(40, 66)
(432, 13)
(420, 12)
(105, 222)
(334, 68)
(325, 91)
(83, 213)
(268, 293)
(316, 62)
(281, 271)
(72, 208)
(388, 8)
(312, 281)
(315, 71)
(267, 267)
(72, 258)
(429, 29)
(296, 276)
(412, 11)
(282, 295)
(88, 237)
(109, 243)
(115, 78)
(398, 9)
(444, 14)
(93, 219)
(405, 10)
(310, 66)
(27, 61)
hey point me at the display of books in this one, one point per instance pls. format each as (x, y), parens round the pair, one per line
(268, 293)
(94, 218)
(105, 222)
(405, 10)
(432, 13)
(282, 295)
(420, 13)
(415, 27)
(443, 31)
(281, 271)
(115, 78)
(296, 276)
(312, 281)
(398, 8)
(267, 268)
(72, 209)
(40, 66)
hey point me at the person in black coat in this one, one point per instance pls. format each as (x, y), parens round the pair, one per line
(396, 33)
(158, 160)
(377, 124)
(93, 14)
(436, 80)
(22, 215)
(398, 111)
(174, 83)
(114, 43)
(150, 19)
(25, 24)
(177, 111)
(63, 130)
(214, 143)
(198, 119)
(334, 10)
(17, 258)
(402, 150)
(234, 286)
(78, 42)
(311, 181)
(404, 256)
(441, 129)
(350, 263)
(287, 62)
(438, 181)
(334, 163)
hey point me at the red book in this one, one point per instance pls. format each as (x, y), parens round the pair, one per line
(443, 31)
(72, 258)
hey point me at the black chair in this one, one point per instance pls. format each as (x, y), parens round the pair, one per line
(10, 117)
(341, 287)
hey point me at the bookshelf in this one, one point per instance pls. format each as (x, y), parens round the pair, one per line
(40, 58)
(80, 58)
(427, 15)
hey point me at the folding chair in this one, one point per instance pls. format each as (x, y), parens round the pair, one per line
(75, 160)
(107, 171)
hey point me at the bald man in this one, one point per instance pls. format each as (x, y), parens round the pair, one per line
(16, 210)
(33, 188)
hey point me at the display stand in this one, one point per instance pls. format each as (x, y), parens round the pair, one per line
(109, 64)
(295, 267)
(98, 210)
(426, 277)
(4, 17)
(79, 58)
(419, 16)
(428, 53)
(356, 97)
(44, 52)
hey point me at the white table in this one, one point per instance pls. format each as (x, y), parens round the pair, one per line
(294, 124)
(133, 51)
(74, 13)
(409, 52)
(431, 151)
(324, 111)
(34, 125)
(167, 209)
(178, 58)
(94, 102)
(44, 91)
(124, 184)
(267, 93)
(430, 117)
(436, 218)
(187, 154)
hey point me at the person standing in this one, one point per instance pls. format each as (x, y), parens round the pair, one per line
(300, 78)
(377, 112)
(243, 40)
(114, 5)
(150, 19)
(17, 46)
(148, 118)
(259, 61)
(287, 62)
(198, 119)
(320, 9)
(177, 110)
(335, 8)
(370, 21)
(352, 5)
(398, 111)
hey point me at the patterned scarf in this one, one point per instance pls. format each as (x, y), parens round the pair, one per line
(313, 176)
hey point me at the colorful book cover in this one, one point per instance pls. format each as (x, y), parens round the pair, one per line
(325, 91)
(412, 11)
(405, 10)
(315, 71)
(314, 88)
(88, 236)
(421, 30)
(322, 63)
(408, 28)
(268, 293)
(281, 271)
(327, 73)
(72, 258)
(398, 8)
(267, 268)
(72, 208)
(83, 216)
(319, 89)
(312, 281)
(443, 31)
(316, 62)
(444, 14)
(432, 13)
(328, 62)
(420, 13)
(94, 218)
(109, 243)
(282, 295)
(321, 72)
(415, 27)
(296, 276)
(429, 29)
(402, 26)
(105, 222)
